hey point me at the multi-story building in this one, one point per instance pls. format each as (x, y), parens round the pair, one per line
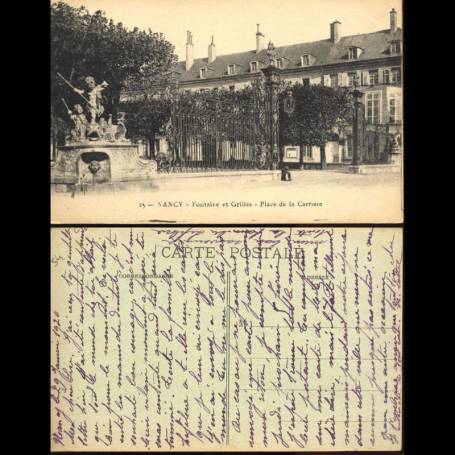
(373, 58)
(372, 61)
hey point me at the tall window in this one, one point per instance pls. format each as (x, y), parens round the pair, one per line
(305, 60)
(279, 63)
(231, 69)
(372, 107)
(394, 108)
(203, 72)
(351, 79)
(386, 76)
(254, 66)
(334, 80)
(374, 77)
(396, 76)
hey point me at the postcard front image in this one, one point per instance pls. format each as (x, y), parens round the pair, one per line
(184, 113)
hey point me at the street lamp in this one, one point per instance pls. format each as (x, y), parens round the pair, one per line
(289, 102)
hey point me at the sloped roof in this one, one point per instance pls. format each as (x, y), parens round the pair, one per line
(374, 45)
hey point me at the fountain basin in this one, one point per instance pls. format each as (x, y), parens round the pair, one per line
(100, 162)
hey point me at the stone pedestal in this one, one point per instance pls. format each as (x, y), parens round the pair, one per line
(100, 162)
(396, 158)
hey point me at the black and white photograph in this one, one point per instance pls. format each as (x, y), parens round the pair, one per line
(229, 111)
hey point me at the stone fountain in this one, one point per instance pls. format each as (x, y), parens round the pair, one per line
(97, 152)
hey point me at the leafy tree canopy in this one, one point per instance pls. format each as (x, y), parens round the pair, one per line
(320, 112)
(91, 44)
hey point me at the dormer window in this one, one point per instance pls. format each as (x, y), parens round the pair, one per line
(354, 53)
(279, 63)
(231, 69)
(305, 60)
(395, 47)
(203, 72)
(254, 67)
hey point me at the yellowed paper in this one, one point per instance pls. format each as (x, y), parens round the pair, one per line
(214, 179)
(226, 339)
(313, 197)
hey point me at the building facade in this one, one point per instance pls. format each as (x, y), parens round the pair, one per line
(374, 59)
(371, 61)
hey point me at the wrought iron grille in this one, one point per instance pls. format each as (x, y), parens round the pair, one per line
(214, 135)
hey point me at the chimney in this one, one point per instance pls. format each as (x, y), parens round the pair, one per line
(212, 51)
(335, 31)
(260, 40)
(393, 21)
(189, 51)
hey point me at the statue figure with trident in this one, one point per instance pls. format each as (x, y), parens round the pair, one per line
(92, 96)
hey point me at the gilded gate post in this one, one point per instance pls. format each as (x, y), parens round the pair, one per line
(272, 80)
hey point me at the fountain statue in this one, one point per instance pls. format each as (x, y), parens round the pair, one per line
(96, 146)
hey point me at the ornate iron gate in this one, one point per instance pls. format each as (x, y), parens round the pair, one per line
(211, 142)
(212, 139)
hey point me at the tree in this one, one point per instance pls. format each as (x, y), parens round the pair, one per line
(90, 44)
(320, 113)
(146, 116)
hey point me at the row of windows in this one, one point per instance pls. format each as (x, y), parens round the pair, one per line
(232, 67)
(354, 53)
(305, 60)
(389, 76)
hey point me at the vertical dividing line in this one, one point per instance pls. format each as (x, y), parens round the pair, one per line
(228, 352)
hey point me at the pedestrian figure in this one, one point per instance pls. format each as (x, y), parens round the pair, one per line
(83, 183)
(285, 174)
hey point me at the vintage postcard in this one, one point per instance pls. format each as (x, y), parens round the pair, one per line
(222, 339)
(166, 111)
